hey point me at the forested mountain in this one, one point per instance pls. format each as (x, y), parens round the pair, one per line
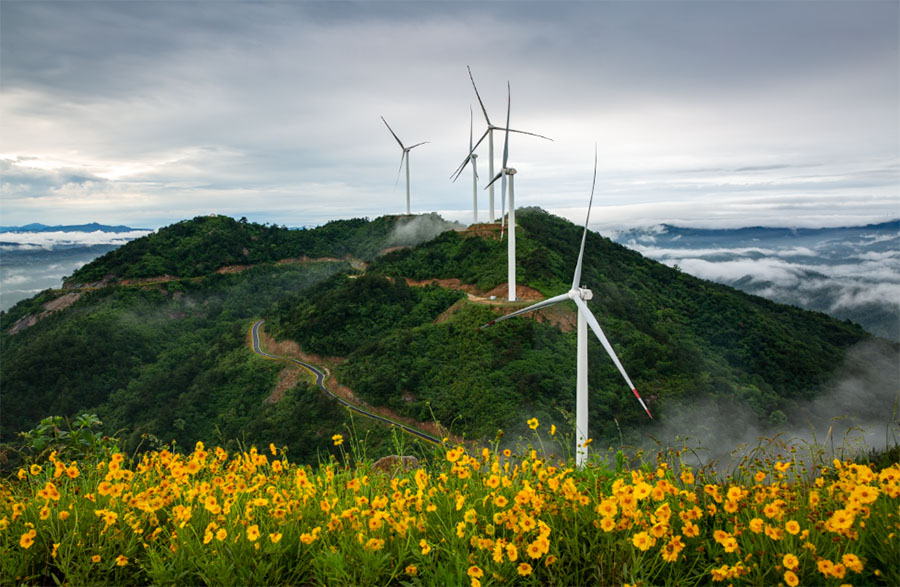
(200, 246)
(159, 347)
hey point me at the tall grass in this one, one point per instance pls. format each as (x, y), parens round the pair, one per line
(468, 515)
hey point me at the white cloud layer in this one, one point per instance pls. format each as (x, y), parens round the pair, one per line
(49, 240)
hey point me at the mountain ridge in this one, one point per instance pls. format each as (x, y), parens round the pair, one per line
(90, 227)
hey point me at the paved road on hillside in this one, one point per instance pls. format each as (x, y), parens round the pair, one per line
(320, 381)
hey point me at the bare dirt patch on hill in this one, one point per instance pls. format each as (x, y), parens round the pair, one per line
(55, 305)
(148, 280)
(523, 292)
(227, 269)
(453, 283)
(485, 231)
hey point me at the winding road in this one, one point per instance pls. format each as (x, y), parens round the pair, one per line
(320, 381)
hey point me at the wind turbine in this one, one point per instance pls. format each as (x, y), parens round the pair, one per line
(472, 157)
(404, 156)
(509, 172)
(489, 133)
(580, 296)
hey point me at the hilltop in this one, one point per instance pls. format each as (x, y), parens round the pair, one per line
(154, 336)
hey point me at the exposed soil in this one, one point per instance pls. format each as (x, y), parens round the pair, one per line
(148, 280)
(54, 305)
(62, 302)
(287, 379)
(289, 348)
(23, 323)
(523, 293)
(232, 268)
(453, 283)
(485, 231)
(560, 316)
(445, 315)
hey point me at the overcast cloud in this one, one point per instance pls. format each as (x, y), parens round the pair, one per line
(705, 114)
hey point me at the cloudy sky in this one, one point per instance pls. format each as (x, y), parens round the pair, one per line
(704, 113)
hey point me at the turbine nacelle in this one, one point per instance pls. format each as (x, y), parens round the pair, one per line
(581, 292)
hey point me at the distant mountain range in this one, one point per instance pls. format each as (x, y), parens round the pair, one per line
(755, 235)
(92, 227)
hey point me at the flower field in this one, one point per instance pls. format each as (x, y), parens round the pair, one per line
(469, 516)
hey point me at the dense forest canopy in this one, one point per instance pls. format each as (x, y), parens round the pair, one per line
(170, 358)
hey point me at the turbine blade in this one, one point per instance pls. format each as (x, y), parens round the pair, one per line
(417, 145)
(531, 308)
(477, 95)
(403, 156)
(460, 169)
(533, 134)
(462, 165)
(496, 177)
(471, 127)
(577, 278)
(392, 132)
(506, 140)
(595, 326)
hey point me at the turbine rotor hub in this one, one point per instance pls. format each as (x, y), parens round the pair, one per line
(581, 292)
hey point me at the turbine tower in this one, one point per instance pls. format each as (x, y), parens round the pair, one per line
(580, 296)
(508, 172)
(489, 133)
(403, 157)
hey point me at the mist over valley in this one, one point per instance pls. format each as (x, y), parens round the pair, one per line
(851, 273)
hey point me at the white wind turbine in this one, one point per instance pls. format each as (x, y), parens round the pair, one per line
(473, 158)
(489, 133)
(509, 172)
(580, 296)
(404, 156)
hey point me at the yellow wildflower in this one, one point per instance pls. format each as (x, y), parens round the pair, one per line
(27, 539)
(253, 532)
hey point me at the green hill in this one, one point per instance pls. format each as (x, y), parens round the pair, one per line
(679, 337)
(168, 356)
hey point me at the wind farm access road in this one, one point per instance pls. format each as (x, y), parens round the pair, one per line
(320, 381)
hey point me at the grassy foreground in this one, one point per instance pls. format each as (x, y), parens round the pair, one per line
(470, 516)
